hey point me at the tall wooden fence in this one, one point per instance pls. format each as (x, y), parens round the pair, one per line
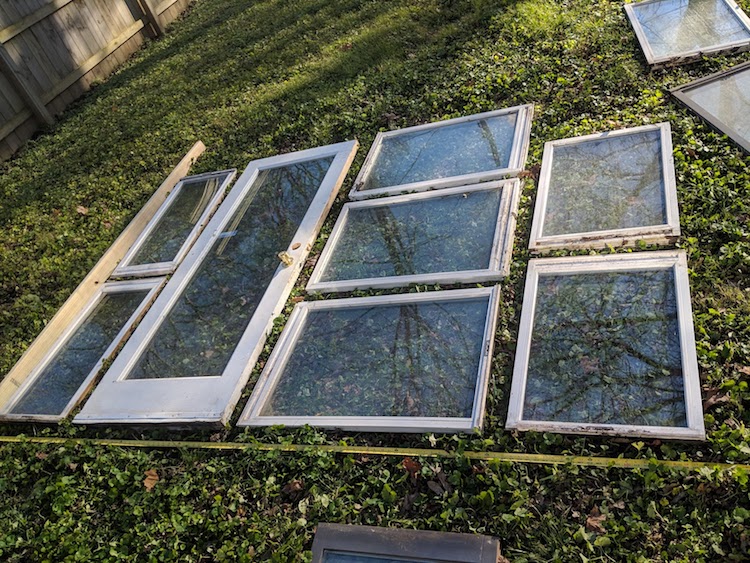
(52, 50)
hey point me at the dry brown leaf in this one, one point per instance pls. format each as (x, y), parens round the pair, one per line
(72, 466)
(152, 477)
(619, 504)
(594, 521)
(714, 399)
(744, 369)
(293, 487)
(82, 210)
(412, 466)
(41, 455)
(435, 488)
(444, 481)
(298, 299)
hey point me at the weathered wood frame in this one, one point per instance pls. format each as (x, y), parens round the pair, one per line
(421, 545)
(126, 269)
(637, 262)
(211, 399)
(282, 352)
(519, 151)
(500, 253)
(685, 56)
(153, 285)
(681, 94)
(666, 233)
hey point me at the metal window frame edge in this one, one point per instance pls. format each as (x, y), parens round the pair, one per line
(675, 260)
(666, 233)
(125, 270)
(516, 161)
(153, 285)
(283, 349)
(499, 263)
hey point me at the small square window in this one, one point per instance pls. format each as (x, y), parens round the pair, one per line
(675, 31)
(456, 152)
(456, 235)
(392, 363)
(606, 346)
(337, 543)
(612, 188)
(722, 99)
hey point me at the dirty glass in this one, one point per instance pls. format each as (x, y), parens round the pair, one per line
(608, 183)
(411, 359)
(726, 100)
(173, 228)
(201, 331)
(343, 557)
(62, 377)
(684, 26)
(605, 349)
(443, 234)
(443, 151)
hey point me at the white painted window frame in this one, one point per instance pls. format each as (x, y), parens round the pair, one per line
(519, 151)
(125, 269)
(635, 262)
(685, 56)
(499, 262)
(211, 399)
(282, 351)
(680, 93)
(666, 233)
(152, 285)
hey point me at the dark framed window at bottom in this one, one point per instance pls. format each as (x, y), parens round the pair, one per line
(338, 543)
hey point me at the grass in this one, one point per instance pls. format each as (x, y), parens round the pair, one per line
(256, 79)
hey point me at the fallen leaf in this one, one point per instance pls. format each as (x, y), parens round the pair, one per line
(619, 504)
(296, 245)
(72, 466)
(594, 521)
(444, 481)
(412, 466)
(293, 487)
(409, 501)
(298, 299)
(41, 455)
(435, 488)
(744, 369)
(714, 399)
(82, 210)
(215, 437)
(152, 477)
(251, 551)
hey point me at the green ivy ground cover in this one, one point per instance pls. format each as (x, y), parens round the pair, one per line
(253, 79)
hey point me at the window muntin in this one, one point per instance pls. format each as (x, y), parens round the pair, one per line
(612, 188)
(672, 31)
(448, 153)
(62, 377)
(168, 236)
(455, 235)
(389, 363)
(722, 99)
(606, 346)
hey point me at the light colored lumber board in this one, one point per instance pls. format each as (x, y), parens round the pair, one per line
(25, 23)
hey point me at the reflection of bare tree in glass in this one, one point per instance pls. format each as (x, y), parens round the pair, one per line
(446, 234)
(727, 99)
(396, 360)
(679, 26)
(605, 349)
(609, 183)
(199, 334)
(443, 151)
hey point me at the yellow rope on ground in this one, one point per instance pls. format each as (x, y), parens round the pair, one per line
(544, 459)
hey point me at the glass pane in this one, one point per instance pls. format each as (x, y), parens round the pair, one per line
(59, 381)
(683, 26)
(443, 234)
(608, 183)
(173, 229)
(443, 151)
(201, 331)
(728, 101)
(342, 557)
(605, 349)
(417, 359)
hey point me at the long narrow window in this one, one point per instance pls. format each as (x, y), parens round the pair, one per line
(168, 236)
(68, 369)
(404, 363)
(676, 31)
(606, 346)
(450, 236)
(455, 152)
(198, 343)
(614, 188)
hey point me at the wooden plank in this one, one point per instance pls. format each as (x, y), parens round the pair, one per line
(165, 5)
(11, 31)
(14, 123)
(152, 15)
(97, 276)
(35, 104)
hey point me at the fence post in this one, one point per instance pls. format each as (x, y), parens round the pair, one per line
(149, 10)
(32, 100)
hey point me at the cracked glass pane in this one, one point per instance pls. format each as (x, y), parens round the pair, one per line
(201, 331)
(606, 184)
(673, 27)
(605, 349)
(442, 234)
